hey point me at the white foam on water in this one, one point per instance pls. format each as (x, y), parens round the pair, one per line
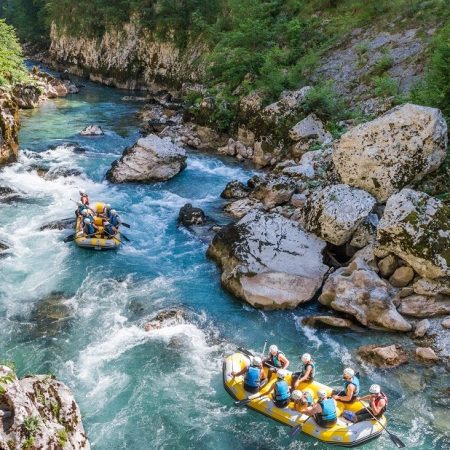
(309, 332)
(215, 167)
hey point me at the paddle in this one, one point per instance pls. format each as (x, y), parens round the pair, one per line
(395, 439)
(70, 238)
(248, 400)
(126, 239)
(125, 224)
(297, 428)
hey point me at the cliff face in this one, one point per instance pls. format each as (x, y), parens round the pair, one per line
(129, 58)
(9, 128)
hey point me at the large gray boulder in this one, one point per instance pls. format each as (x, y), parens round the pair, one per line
(150, 159)
(357, 290)
(416, 227)
(392, 151)
(44, 402)
(335, 212)
(269, 261)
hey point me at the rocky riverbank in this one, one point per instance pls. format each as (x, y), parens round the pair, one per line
(38, 412)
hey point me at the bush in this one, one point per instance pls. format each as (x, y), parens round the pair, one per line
(382, 65)
(12, 69)
(326, 103)
(63, 438)
(386, 87)
(31, 425)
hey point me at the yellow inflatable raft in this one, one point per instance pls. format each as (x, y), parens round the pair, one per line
(96, 242)
(344, 433)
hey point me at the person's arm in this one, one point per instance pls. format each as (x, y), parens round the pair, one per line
(377, 409)
(284, 361)
(364, 397)
(241, 372)
(311, 410)
(348, 396)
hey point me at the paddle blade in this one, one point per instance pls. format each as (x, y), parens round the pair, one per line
(126, 225)
(397, 441)
(242, 402)
(70, 238)
(294, 431)
(245, 352)
(124, 237)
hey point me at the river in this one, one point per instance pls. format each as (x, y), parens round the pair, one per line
(163, 389)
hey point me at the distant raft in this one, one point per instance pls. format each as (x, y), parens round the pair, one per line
(96, 242)
(344, 433)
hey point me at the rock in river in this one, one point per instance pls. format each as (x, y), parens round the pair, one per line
(416, 227)
(92, 130)
(392, 151)
(49, 404)
(383, 356)
(150, 159)
(269, 261)
(359, 291)
(189, 215)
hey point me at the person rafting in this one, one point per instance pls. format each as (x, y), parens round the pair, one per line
(84, 198)
(80, 208)
(281, 394)
(106, 212)
(254, 378)
(351, 387)
(276, 359)
(301, 400)
(324, 410)
(306, 374)
(378, 402)
(89, 228)
(115, 219)
(108, 230)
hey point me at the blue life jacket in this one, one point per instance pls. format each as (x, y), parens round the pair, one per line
(115, 221)
(328, 409)
(275, 360)
(107, 213)
(89, 228)
(309, 398)
(355, 382)
(80, 209)
(252, 377)
(281, 390)
(109, 230)
(313, 370)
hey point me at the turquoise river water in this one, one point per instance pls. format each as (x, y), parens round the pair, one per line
(163, 389)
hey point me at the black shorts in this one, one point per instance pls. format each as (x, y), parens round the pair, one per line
(281, 403)
(251, 389)
(325, 423)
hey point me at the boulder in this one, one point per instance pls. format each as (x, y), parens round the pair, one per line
(446, 323)
(190, 215)
(235, 190)
(423, 306)
(92, 130)
(364, 234)
(27, 96)
(239, 208)
(274, 190)
(402, 277)
(392, 151)
(426, 354)
(150, 159)
(357, 290)
(62, 224)
(9, 129)
(269, 261)
(383, 356)
(335, 212)
(310, 128)
(49, 404)
(387, 265)
(422, 328)
(328, 321)
(431, 288)
(416, 227)
(166, 318)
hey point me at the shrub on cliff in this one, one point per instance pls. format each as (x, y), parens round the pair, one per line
(12, 69)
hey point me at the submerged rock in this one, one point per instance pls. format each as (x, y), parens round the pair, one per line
(357, 290)
(328, 321)
(150, 159)
(189, 215)
(392, 151)
(166, 318)
(48, 404)
(335, 212)
(383, 356)
(269, 261)
(62, 224)
(426, 354)
(416, 227)
(92, 130)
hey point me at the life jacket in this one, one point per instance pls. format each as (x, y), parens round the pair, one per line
(89, 228)
(309, 398)
(355, 382)
(381, 396)
(107, 212)
(252, 377)
(275, 359)
(281, 390)
(328, 409)
(115, 221)
(313, 370)
(84, 199)
(109, 230)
